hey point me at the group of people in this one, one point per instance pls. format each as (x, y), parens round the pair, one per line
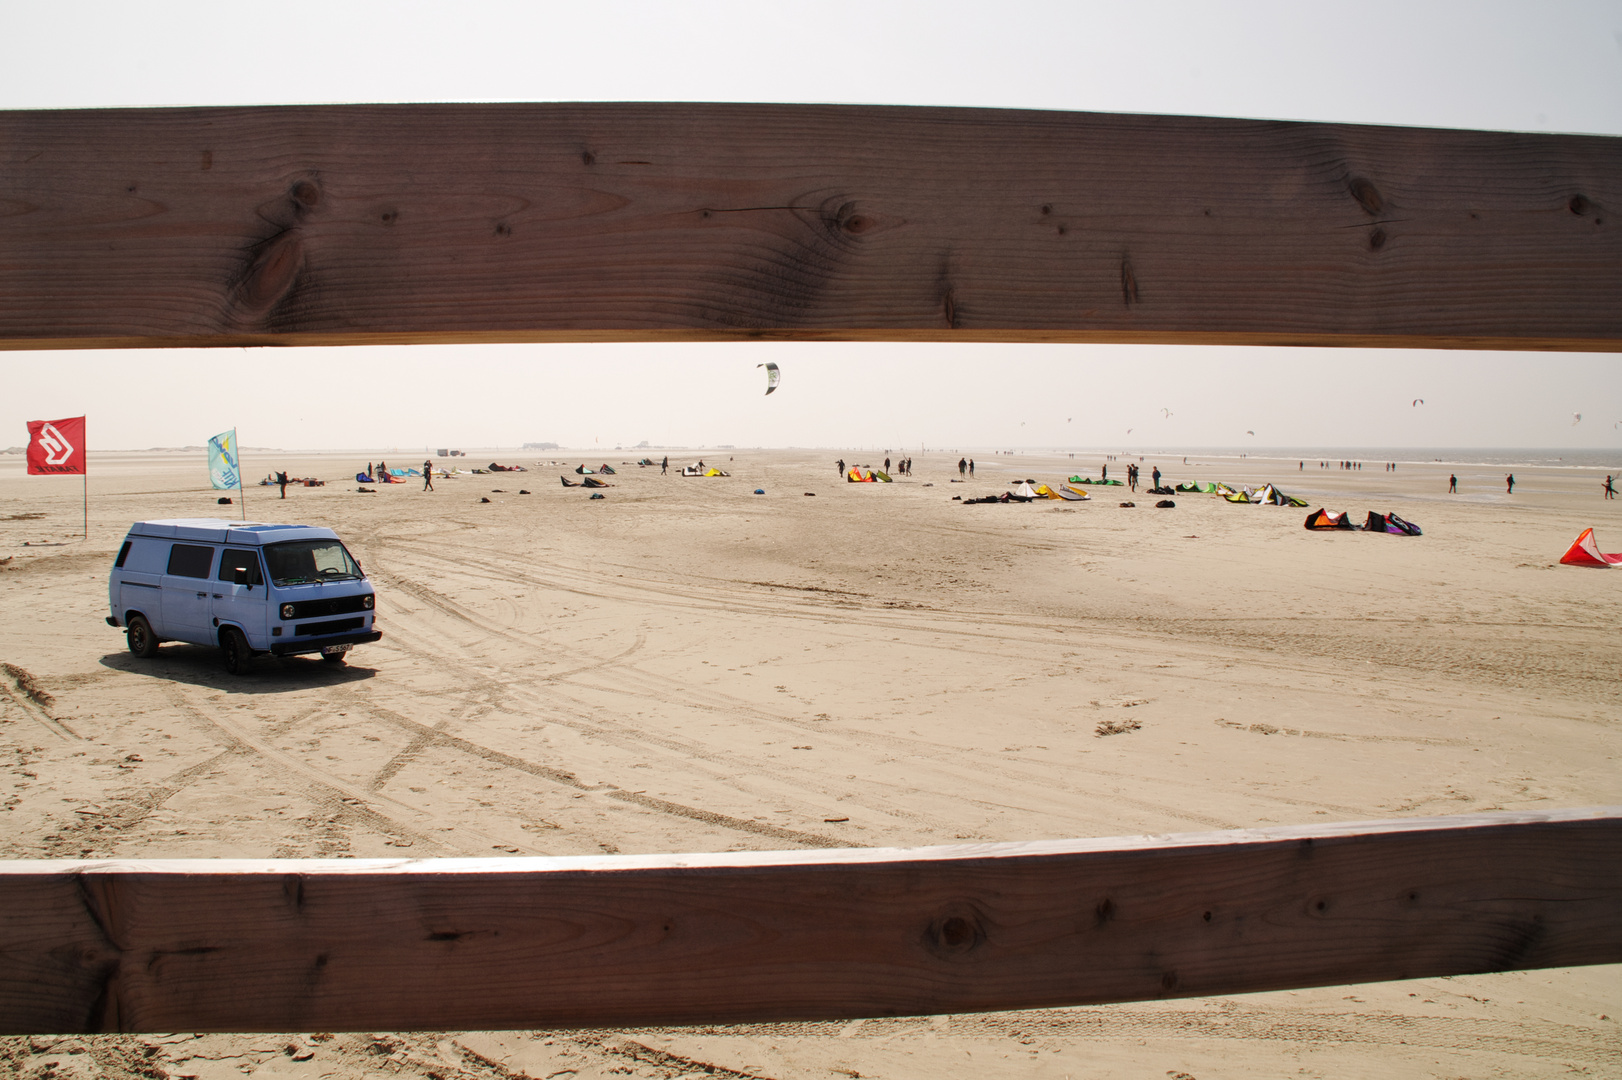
(965, 465)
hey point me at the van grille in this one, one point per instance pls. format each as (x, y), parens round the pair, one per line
(335, 626)
(315, 609)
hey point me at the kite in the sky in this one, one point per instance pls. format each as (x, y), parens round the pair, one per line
(772, 376)
(1250, 433)
(1576, 418)
(1167, 412)
(1129, 431)
(1418, 401)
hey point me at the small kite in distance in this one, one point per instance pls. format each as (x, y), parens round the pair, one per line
(1250, 433)
(1576, 418)
(1418, 401)
(1129, 431)
(1167, 412)
(773, 376)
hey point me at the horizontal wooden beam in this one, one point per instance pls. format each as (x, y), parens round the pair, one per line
(375, 224)
(756, 936)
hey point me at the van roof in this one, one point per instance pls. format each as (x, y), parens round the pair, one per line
(221, 531)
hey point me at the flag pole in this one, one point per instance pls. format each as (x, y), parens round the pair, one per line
(242, 496)
(85, 476)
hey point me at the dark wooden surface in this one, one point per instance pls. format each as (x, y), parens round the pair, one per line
(754, 936)
(434, 223)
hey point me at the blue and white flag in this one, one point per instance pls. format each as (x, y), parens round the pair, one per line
(223, 467)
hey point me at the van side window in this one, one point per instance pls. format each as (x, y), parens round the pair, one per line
(244, 557)
(123, 553)
(190, 560)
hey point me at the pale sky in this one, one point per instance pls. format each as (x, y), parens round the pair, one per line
(1537, 66)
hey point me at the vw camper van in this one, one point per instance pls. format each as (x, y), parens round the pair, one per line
(246, 587)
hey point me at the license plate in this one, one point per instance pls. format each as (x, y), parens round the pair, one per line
(334, 650)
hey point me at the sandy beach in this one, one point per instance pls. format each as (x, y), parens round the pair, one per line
(685, 665)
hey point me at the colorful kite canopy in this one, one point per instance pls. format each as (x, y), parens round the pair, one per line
(1585, 552)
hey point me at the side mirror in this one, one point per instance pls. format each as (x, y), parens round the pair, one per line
(239, 576)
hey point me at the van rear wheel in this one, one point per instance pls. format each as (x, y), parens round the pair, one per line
(234, 651)
(335, 657)
(142, 641)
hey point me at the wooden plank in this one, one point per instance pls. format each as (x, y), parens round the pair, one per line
(756, 936)
(651, 222)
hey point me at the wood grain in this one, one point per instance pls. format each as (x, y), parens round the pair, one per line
(527, 222)
(619, 941)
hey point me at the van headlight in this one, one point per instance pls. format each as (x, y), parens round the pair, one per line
(287, 611)
(367, 601)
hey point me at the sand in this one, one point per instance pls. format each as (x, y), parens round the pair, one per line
(874, 665)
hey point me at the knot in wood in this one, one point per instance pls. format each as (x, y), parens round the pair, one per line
(307, 194)
(1367, 195)
(955, 934)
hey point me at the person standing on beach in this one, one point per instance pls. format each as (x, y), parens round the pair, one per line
(428, 475)
(1509, 482)
(1610, 489)
(281, 478)
(664, 466)
(1452, 484)
(840, 465)
(971, 467)
(1156, 475)
(962, 467)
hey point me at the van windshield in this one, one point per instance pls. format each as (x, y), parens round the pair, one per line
(299, 562)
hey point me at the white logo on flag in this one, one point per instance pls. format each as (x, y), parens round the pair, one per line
(57, 449)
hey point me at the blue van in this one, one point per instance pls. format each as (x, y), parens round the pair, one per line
(247, 587)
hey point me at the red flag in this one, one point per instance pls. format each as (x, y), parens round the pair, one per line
(56, 447)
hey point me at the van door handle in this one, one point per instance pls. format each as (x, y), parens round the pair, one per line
(217, 596)
(204, 594)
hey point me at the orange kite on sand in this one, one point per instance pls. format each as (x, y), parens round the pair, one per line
(1586, 552)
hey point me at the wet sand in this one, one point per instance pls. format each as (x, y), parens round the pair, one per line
(687, 666)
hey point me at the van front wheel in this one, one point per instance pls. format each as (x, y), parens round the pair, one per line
(142, 641)
(234, 651)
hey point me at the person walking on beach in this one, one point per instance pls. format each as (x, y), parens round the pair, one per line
(281, 478)
(1610, 489)
(962, 467)
(664, 466)
(1509, 482)
(428, 475)
(840, 465)
(1452, 484)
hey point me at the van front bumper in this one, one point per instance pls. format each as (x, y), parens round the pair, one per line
(310, 645)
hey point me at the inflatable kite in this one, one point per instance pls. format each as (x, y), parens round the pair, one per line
(1585, 552)
(1390, 523)
(1329, 519)
(773, 376)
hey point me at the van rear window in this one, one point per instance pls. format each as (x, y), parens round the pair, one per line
(190, 560)
(123, 553)
(243, 557)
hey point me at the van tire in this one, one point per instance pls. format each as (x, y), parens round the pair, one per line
(142, 641)
(335, 658)
(234, 651)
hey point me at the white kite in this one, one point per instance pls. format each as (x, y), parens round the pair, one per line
(1167, 412)
(1576, 418)
(773, 376)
